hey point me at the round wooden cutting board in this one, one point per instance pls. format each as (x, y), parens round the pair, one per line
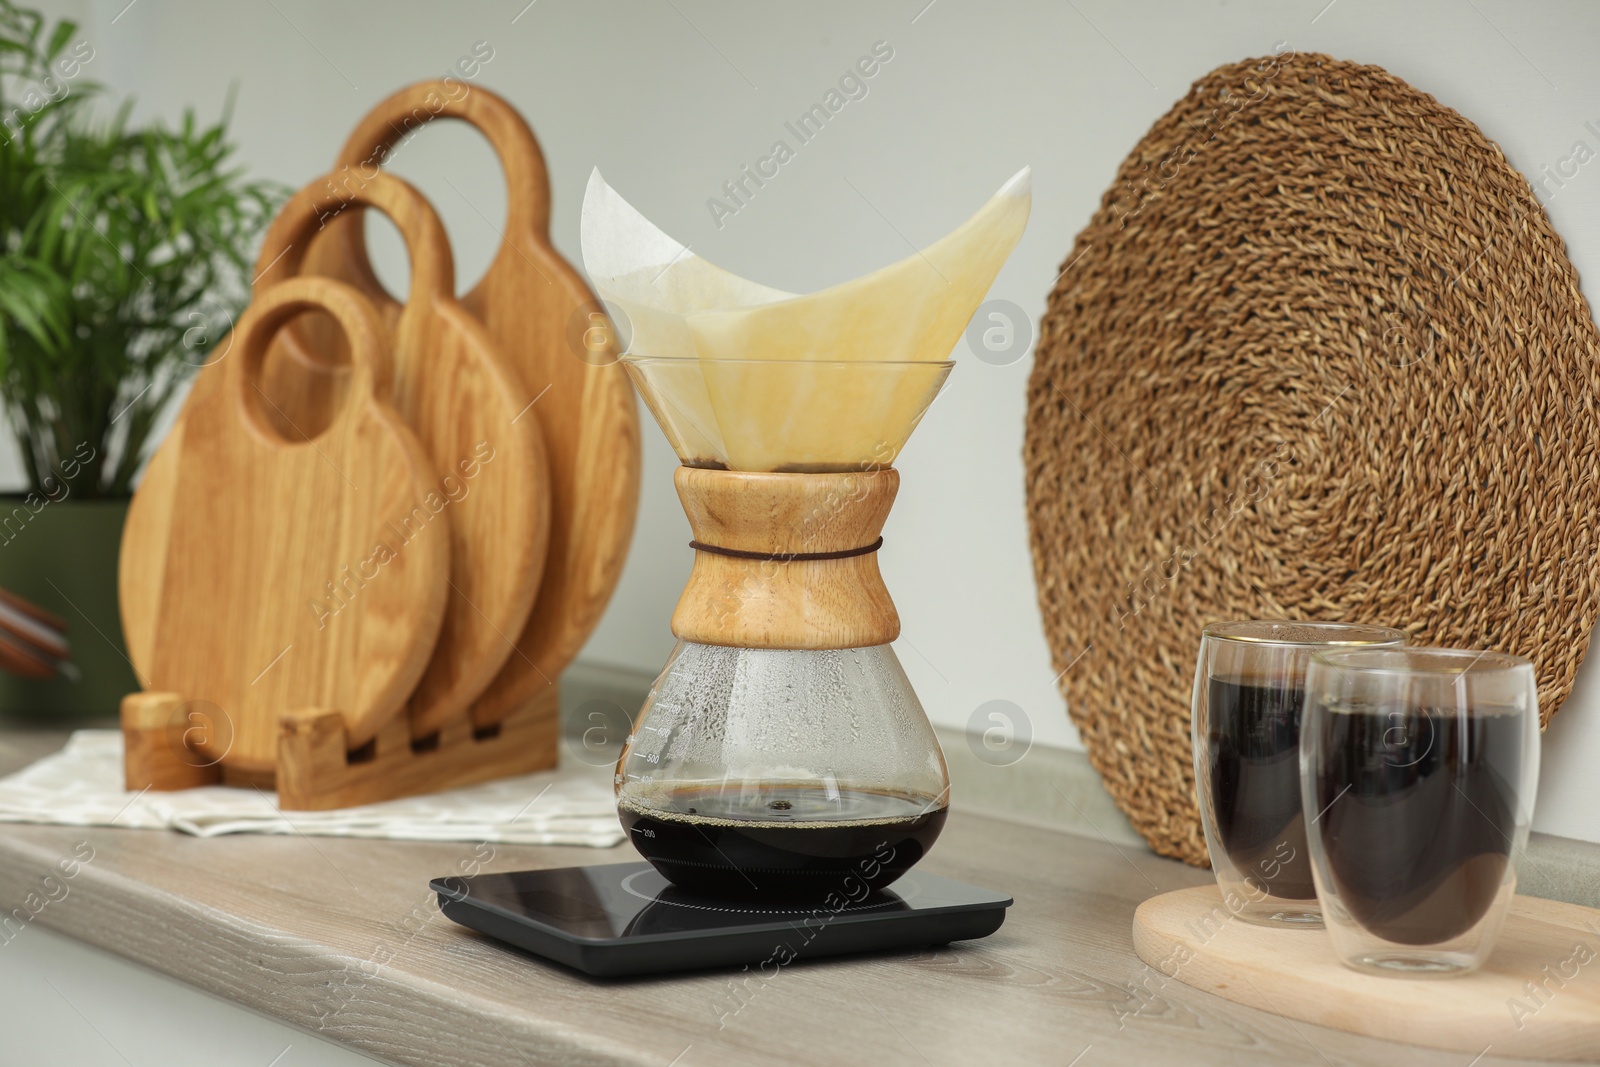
(541, 313)
(452, 387)
(247, 530)
(456, 390)
(1537, 996)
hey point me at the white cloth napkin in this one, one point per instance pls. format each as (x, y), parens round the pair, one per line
(82, 786)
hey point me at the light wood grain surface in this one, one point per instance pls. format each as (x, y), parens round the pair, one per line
(458, 390)
(341, 938)
(1190, 936)
(255, 526)
(786, 603)
(452, 386)
(315, 772)
(552, 329)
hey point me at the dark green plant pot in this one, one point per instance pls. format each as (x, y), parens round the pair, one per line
(64, 558)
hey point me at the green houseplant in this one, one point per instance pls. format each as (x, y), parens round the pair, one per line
(123, 261)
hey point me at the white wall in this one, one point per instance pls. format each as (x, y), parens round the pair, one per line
(669, 99)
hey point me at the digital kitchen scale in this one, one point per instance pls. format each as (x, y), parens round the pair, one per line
(625, 919)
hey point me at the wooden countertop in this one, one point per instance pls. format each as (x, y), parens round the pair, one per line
(342, 938)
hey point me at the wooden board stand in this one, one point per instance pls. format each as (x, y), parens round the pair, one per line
(1537, 996)
(316, 769)
(469, 665)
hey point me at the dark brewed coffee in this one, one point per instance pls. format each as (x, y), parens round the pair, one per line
(1253, 748)
(795, 840)
(1420, 809)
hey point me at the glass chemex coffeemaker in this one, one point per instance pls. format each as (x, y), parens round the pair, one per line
(781, 779)
(782, 749)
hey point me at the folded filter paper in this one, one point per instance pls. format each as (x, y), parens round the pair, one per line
(751, 378)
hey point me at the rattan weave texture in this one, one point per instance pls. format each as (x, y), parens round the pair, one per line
(1319, 354)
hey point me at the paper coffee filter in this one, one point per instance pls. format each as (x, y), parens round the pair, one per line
(679, 305)
(753, 378)
(652, 279)
(783, 415)
(817, 415)
(915, 309)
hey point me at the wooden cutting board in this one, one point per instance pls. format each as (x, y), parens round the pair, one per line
(544, 317)
(243, 531)
(1188, 936)
(453, 388)
(456, 390)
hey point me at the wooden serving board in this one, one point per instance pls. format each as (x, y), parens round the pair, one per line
(453, 388)
(242, 529)
(458, 392)
(1537, 996)
(543, 316)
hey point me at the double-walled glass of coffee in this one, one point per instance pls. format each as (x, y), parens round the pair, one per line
(1249, 692)
(1422, 764)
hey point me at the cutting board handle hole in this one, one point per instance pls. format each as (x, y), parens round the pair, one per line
(463, 178)
(289, 400)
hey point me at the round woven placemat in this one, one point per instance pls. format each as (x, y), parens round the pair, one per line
(1319, 355)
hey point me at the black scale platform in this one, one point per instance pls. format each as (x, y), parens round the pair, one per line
(625, 919)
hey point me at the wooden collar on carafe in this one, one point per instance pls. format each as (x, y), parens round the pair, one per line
(786, 560)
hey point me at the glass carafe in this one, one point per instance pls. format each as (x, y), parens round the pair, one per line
(782, 753)
(779, 772)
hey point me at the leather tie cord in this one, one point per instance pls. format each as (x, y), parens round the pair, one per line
(787, 557)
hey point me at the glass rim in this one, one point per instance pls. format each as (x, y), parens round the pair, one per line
(1478, 662)
(1384, 636)
(719, 361)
